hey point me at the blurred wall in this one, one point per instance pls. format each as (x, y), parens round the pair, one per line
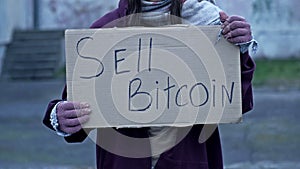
(58, 14)
(275, 24)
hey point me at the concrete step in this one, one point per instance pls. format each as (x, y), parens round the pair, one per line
(31, 74)
(32, 42)
(33, 65)
(34, 55)
(37, 35)
(33, 50)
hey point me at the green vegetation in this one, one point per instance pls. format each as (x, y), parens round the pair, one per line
(60, 73)
(277, 73)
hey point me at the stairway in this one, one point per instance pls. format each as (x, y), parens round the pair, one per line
(33, 55)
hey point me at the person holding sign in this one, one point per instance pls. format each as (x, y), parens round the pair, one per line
(66, 117)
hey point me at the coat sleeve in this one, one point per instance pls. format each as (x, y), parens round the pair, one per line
(247, 71)
(111, 19)
(105, 20)
(50, 107)
(77, 137)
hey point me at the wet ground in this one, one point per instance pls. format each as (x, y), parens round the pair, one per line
(269, 137)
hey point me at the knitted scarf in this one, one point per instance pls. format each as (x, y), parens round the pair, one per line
(193, 12)
(155, 13)
(158, 6)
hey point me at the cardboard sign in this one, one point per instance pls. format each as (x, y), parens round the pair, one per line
(167, 76)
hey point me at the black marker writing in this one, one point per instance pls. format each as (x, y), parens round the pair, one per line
(89, 58)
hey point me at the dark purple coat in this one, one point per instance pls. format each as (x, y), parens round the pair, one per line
(189, 153)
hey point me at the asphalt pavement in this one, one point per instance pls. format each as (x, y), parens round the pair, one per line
(268, 137)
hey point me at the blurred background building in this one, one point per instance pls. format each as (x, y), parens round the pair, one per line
(31, 36)
(275, 24)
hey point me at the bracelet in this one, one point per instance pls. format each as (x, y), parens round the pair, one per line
(245, 46)
(54, 121)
